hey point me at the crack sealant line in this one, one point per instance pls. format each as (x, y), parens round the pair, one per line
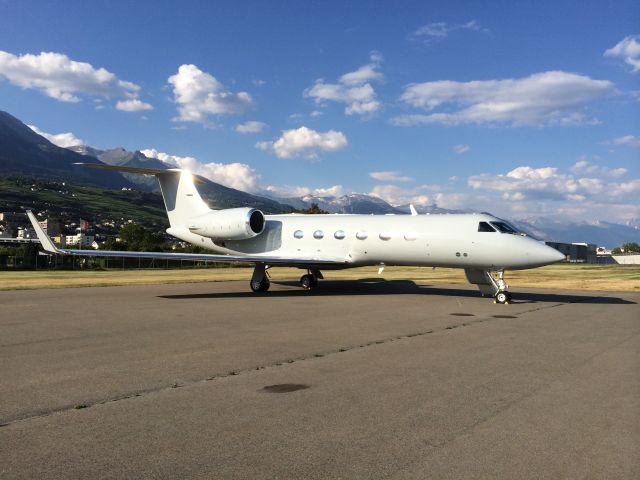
(316, 355)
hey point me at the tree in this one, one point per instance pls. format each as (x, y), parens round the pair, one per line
(630, 247)
(314, 209)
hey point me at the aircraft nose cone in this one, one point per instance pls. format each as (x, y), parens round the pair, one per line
(547, 255)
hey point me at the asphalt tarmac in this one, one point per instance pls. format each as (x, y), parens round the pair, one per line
(355, 380)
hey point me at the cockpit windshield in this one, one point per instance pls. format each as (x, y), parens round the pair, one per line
(504, 227)
(485, 227)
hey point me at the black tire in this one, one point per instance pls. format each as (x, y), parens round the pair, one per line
(260, 286)
(502, 297)
(306, 282)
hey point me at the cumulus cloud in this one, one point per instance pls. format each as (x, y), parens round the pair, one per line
(199, 94)
(460, 149)
(59, 77)
(548, 183)
(64, 140)
(628, 50)
(234, 175)
(353, 89)
(285, 191)
(628, 140)
(548, 98)
(304, 142)
(133, 105)
(583, 167)
(440, 30)
(250, 127)
(389, 176)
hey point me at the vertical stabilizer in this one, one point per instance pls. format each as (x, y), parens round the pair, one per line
(181, 197)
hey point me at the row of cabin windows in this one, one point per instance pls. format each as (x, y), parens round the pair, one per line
(340, 235)
(501, 227)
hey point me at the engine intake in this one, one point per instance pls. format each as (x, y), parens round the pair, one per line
(229, 224)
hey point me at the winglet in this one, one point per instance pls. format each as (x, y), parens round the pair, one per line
(45, 241)
(414, 212)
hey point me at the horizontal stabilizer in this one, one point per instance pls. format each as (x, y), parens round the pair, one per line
(116, 168)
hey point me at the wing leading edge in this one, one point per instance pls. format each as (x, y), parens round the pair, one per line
(50, 247)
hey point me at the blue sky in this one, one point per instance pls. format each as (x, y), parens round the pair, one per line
(523, 109)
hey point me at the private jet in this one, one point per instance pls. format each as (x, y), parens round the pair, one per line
(481, 244)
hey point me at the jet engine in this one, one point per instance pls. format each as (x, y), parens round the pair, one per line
(229, 224)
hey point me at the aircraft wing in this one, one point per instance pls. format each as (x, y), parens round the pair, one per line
(50, 247)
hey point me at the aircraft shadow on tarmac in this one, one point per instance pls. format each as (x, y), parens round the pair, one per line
(377, 286)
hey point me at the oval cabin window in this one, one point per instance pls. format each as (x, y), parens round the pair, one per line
(409, 237)
(361, 235)
(385, 236)
(298, 234)
(318, 234)
(339, 234)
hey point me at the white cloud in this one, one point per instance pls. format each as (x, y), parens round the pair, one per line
(304, 142)
(628, 140)
(352, 89)
(628, 49)
(583, 167)
(235, 175)
(59, 77)
(460, 149)
(390, 176)
(133, 105)
(250, 127)
(199, 95)
(549, 184)
(286, 191)
(548, 98)
(439, 30)
(64, 140)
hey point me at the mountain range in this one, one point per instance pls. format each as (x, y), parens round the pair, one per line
(24, 153)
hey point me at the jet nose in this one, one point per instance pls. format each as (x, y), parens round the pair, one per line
(546, 255)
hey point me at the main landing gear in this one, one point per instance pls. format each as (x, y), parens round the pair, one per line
(308, 281)
(260, 280)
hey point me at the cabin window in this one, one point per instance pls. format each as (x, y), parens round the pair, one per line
(385, 236)
(362, 235)
(485, 227)
(504, 227)
(298, 234)
(409, 237)
(318, 234)
(340, 234)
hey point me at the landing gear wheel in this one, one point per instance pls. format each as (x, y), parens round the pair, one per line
(308, 282)
(503, 297)
(260, 286)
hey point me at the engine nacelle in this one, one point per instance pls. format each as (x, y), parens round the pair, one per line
(229, 224)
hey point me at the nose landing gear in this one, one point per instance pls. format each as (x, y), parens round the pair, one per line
(489, 285)
(503, 297)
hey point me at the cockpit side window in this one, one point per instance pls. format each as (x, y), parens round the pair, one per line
(504, 227)
(485, 227)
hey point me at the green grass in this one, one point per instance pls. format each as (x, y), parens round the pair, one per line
(73, 201)
(563, 276)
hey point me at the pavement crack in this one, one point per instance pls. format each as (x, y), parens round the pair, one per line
(276, 364)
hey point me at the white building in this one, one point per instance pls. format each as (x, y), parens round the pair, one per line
(80, 239)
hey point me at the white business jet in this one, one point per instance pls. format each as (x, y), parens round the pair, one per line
(483, 245)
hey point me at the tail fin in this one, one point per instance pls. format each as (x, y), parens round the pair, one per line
(181, 197)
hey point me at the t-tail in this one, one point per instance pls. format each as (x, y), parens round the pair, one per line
(181, 197)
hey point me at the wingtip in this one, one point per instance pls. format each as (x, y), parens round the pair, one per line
(45, 241)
